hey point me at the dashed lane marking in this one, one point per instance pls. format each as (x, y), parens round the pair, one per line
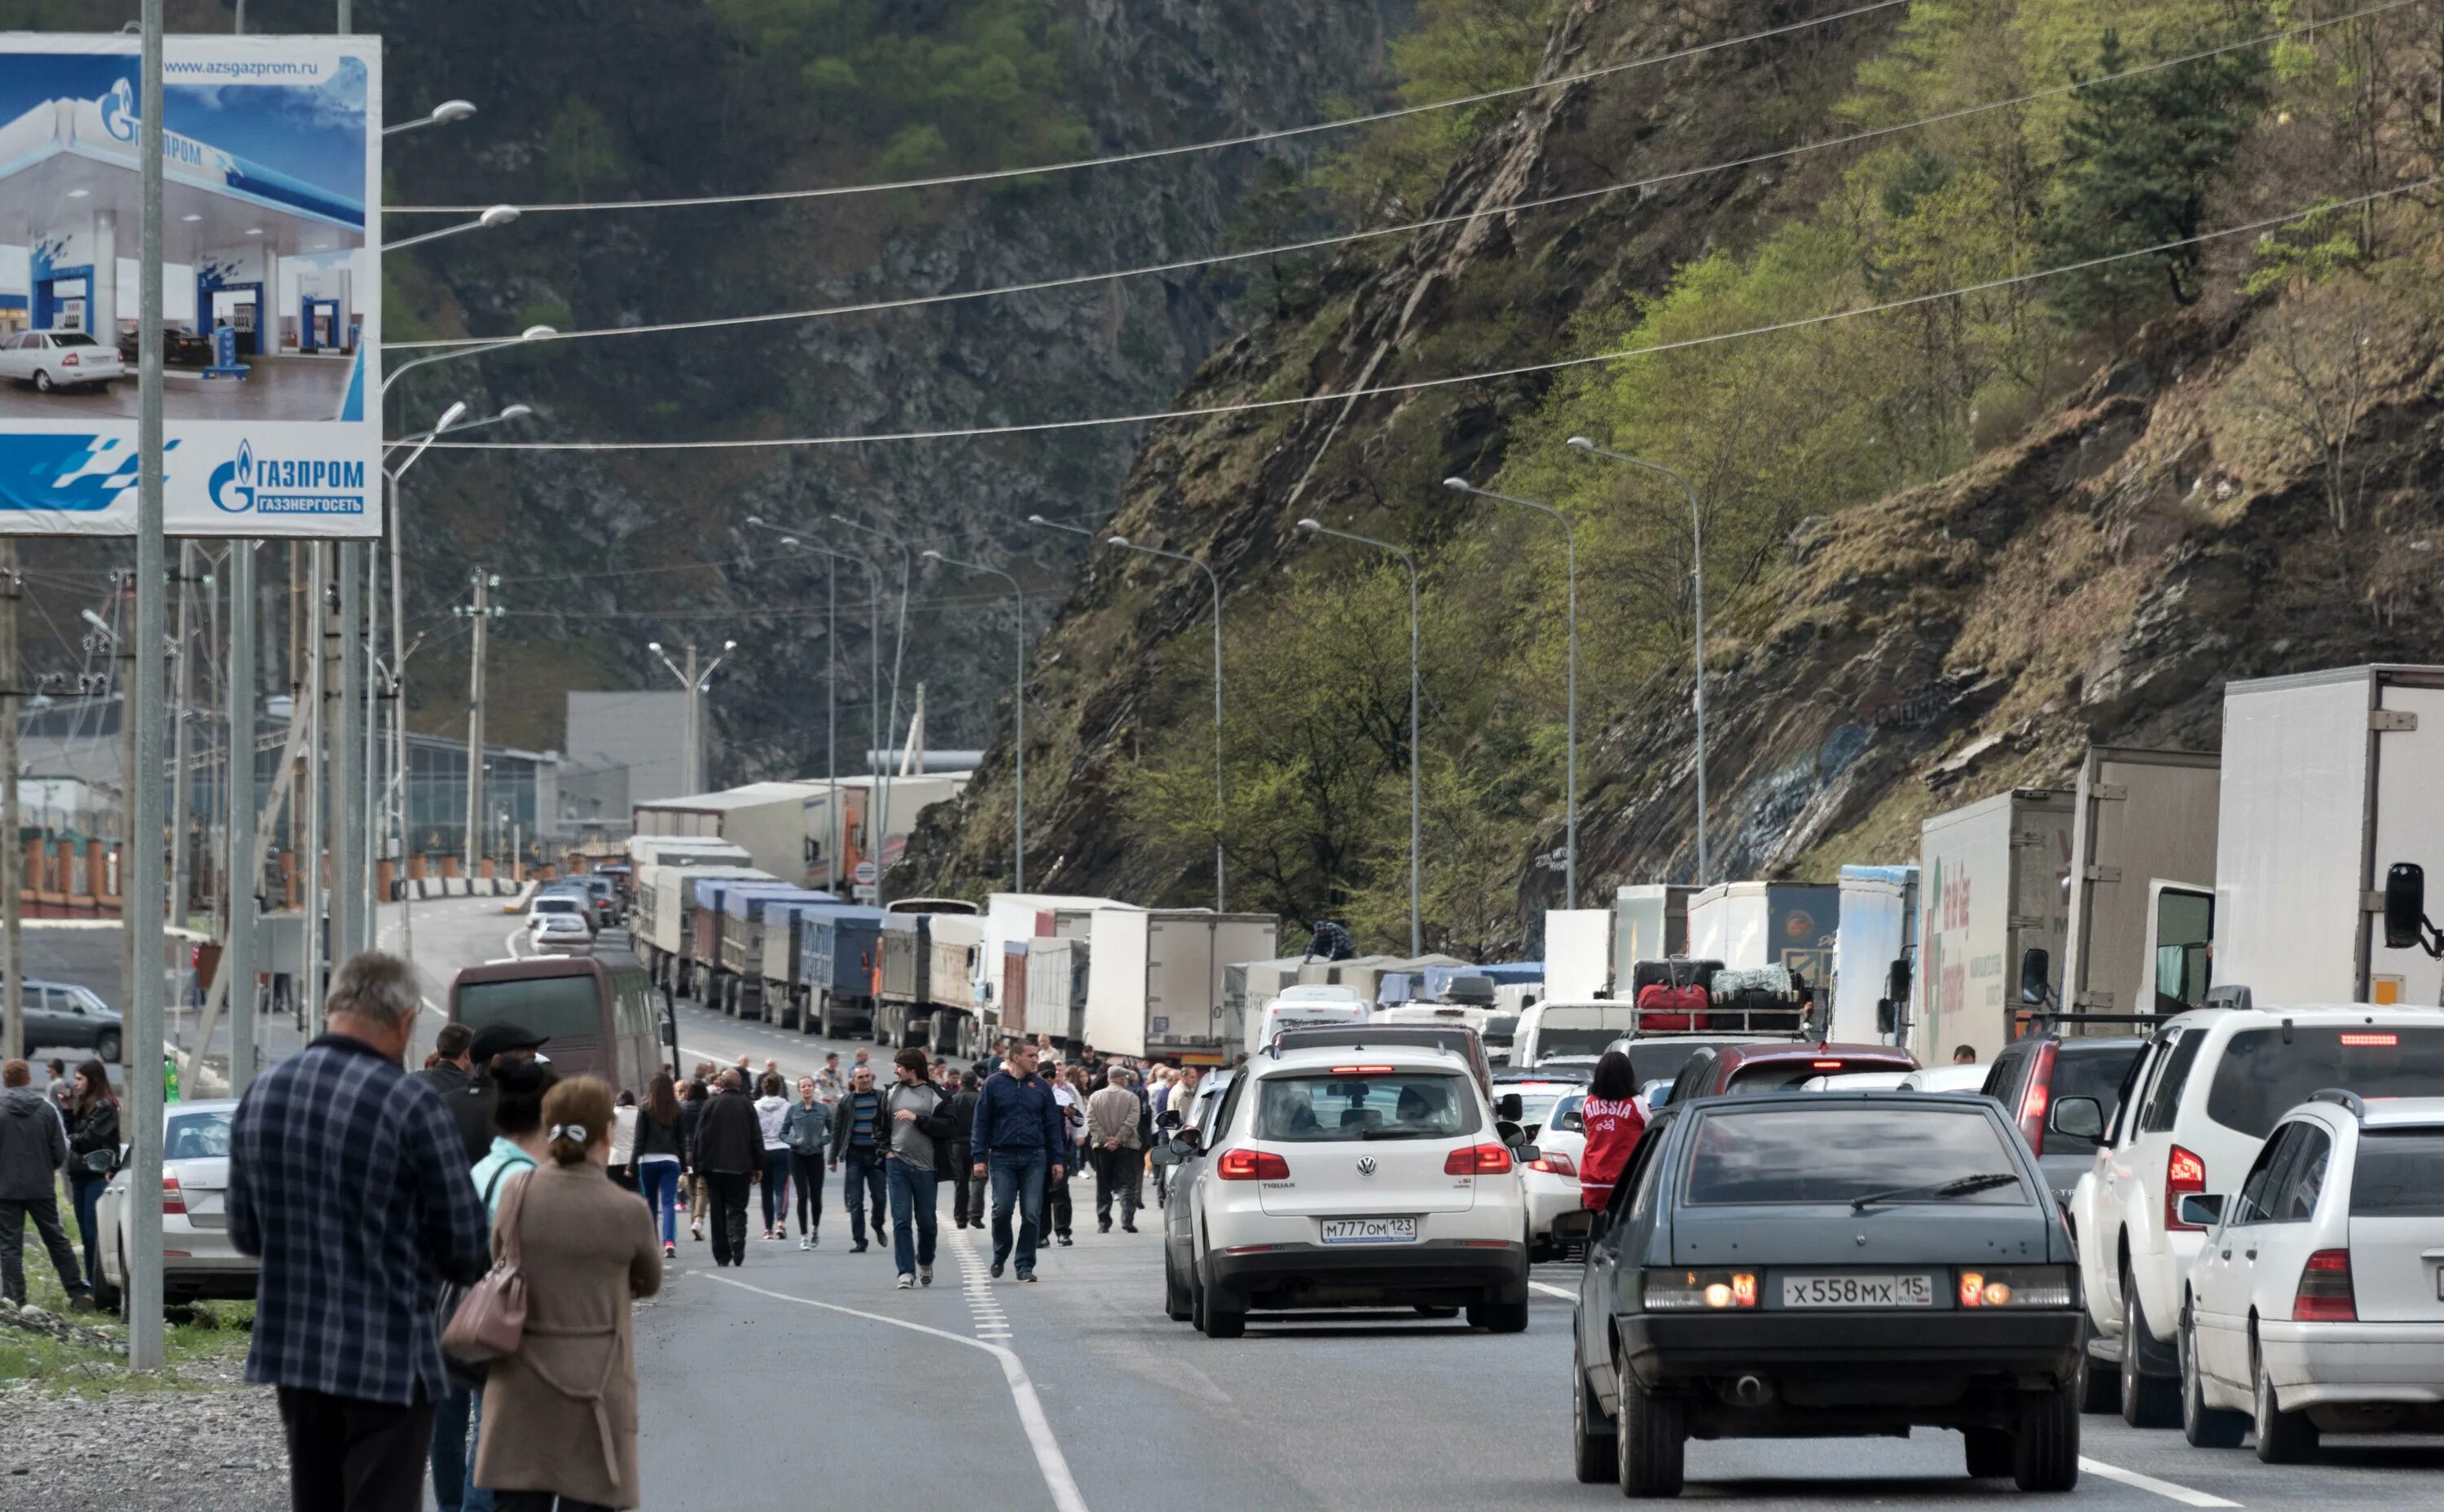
(2148, 1482)
(1549, 1289)
(1049, 1461)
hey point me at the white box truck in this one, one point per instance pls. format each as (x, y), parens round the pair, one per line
(2143, 866)
(1154, 983)
(1748, 925)
(1993, 884)
(1877, 934)
(2329, 779)
(1023, 918)
(1578, 953)
(1650, 920)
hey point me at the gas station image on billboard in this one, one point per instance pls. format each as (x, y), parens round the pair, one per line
(268, 283)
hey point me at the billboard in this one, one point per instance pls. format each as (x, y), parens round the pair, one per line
(271, 285)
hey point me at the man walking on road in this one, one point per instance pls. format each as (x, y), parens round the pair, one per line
(1112, 1145)
(968, 1196)
(920, 1136)
(348, 1179)
(451, 1073)
(730, 1151)
(1018, 1139)
(34, 1149)
(859, 1138)
(830, 1086)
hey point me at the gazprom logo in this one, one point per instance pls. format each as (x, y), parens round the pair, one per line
(234, 481)
(118, 112)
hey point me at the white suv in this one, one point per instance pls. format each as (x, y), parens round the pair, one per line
(2195, 1108)
(2317, 1300)
(1349, 1176)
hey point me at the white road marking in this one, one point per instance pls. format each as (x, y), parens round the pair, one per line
(2148, 1482)
(1550, 1289)
(1053, 1465)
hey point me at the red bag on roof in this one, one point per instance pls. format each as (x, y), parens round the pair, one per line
(1661, 1006)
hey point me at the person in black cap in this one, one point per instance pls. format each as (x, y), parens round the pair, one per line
(472, 1107)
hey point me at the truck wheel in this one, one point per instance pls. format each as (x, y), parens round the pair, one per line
(2283, 1438)
(1498, 1318)
(2206, 1428)
(2147, 1401)
(1650, 1439)
(2045, 1451)
(1593, 1447)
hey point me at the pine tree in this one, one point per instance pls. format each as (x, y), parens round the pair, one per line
(2138, 157)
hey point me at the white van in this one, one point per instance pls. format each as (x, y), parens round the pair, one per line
(1583, 1026)
(1305, 1004)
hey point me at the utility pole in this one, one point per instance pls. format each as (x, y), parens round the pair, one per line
(482, 612)
(141, 911)
(310, 976)
(122, 655)
(242, 862)
(180, 793)
(350, 918)
(13, 863)
(694, 682)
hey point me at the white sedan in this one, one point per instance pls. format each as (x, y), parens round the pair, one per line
(559, 933)
(1557, 1214)
(59, 359)
(198, 1259)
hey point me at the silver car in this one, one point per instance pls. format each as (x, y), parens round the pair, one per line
(59, 359)
(198, 1259)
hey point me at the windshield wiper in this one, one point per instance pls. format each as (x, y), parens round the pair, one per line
(1986, 1181)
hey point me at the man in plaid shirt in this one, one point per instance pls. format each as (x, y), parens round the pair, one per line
(348, 1178)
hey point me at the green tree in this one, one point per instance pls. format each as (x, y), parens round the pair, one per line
(2139, 157)
(1456, 49)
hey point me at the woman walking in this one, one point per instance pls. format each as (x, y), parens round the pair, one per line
(807, 1128)
(769, 1109)
(559, 1415)
(93, 1125)
(1614, 1126)
(694, 1095)
(662, 1146)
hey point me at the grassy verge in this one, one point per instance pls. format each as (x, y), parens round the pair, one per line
(203, 1348)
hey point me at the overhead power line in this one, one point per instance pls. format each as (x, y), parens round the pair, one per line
(1151, 153)
(1419, 385)
(1410, 228)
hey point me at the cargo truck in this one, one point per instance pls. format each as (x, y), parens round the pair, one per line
(747, 916)
(784, 997)
(1746, 925)
(955, 1021)
(839, 961)
(1154, 985)
(1650, 921)
(666, 915)
(921, 953)
(1992, 885)
(765, 820)
(1875, 953)
(2329, 781)
(1578, 952)
(1023, 918)
(2143, 866)
(1056, 990)
(708, 978)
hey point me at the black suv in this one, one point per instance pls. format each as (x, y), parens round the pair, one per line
(2036, 1072)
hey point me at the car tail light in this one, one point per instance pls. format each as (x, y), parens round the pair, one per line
(2015, 1287)
(2032, 1102)
(1696, 1291)
(1251, 1165)
(1825, 1065)
(1555, 1164)
(1477, 1160)
(174, 1201)
(70, 360)
(2378, 1041)
(2184, 1174)
(2325, 1295)
(1362, 1071)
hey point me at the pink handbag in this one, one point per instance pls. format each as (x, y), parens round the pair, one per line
(493, 1320)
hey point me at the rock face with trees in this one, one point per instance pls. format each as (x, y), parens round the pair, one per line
(2022, 427)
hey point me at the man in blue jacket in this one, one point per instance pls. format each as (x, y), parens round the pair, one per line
(1019, 1139)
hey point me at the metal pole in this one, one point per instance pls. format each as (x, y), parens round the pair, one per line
(695, 765)
(1416, 888)
(311, 895)
(141, 910)
(398, 718)
(350, 932)
(244, 861)
(1697, 574)
(369, 846)
(1214, 581)
(182, 794)
(13, 862)
(831, 722)
(482, 613)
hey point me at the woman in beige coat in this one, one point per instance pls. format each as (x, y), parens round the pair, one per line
(560, 1415)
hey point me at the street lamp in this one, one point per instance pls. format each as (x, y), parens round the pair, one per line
(497, 217)
(447, 113)
(1697, 556)
(532, 333)
(1416, 903)
(1570, 760)
(1018, 713)
(695, 683)
(831, 695)
(899, 653)
(1216, 582)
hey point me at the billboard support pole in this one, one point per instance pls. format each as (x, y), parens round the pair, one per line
(244, 864)
(141, 891)
(13, 862)
(310, 901)
(351, 919)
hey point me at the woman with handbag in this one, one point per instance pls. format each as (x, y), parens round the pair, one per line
(93, 1126)
(560, 1410)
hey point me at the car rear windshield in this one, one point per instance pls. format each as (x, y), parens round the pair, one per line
(2399, 1174)
(1843, 1151)
(196, 1136)
(1780, 1076)
(2260, 1077)
(1661, 1059)
(1377, 1105)
(557, 1007)
(1500, 1029)
(1573, 1041)
(72, 338)
(2080, 1072)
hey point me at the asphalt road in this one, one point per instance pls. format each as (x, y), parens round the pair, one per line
(1077, 1392)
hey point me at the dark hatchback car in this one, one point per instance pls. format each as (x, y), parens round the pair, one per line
(1818, 1263)
(180, 348)
(2034, 1074)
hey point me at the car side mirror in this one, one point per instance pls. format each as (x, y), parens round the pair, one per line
(1508, 1132)
(2035, 966)
(1527, 1154)
(1167, 1153)
(1170, 1120)
(1509, 1106)
(2203, 1208)
(2080, 1117)
(2405, 905)
(1888, 1016)
(1191, 1140)
(102, 1162)
(1896, 982)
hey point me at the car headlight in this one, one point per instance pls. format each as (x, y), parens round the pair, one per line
(2012, 1287)
(1699, 1291)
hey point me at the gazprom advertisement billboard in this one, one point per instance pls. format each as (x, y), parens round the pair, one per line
(271, 285)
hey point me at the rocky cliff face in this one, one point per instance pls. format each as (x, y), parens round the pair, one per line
(2098, 579)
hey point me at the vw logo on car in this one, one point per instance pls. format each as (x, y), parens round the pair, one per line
(1367, 1165)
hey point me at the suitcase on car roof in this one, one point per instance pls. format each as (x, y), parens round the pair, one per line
(1664, 1007)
